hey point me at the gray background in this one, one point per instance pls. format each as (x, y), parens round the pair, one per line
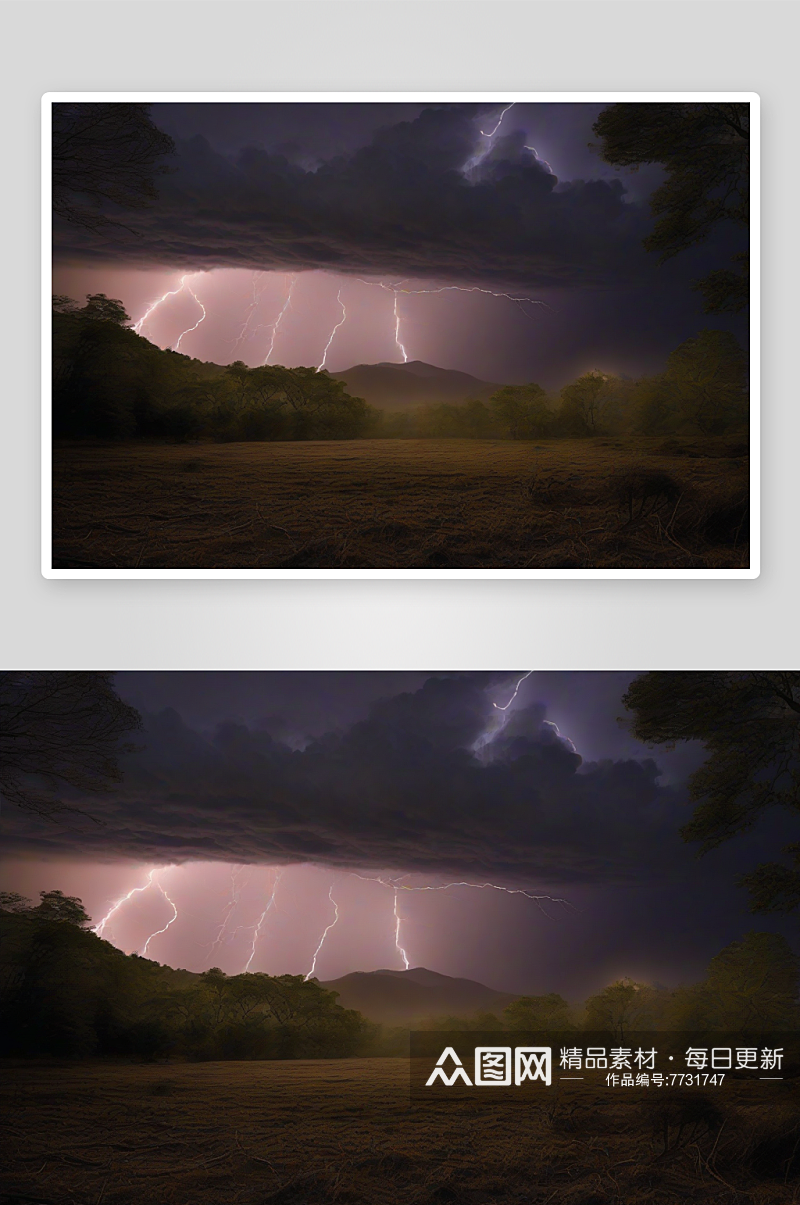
(567, 46)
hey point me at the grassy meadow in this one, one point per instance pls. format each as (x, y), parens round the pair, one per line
(642, 502)
(344, 1130)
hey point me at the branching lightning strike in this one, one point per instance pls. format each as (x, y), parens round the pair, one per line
(202, 318)
(276, 324)
(395, 289)
(99, 928)
(259, 923)
(341, 321)
(252, 310)
(324, 935)
(229, 909)
(171, 920)
(396, 886)
(173, 293)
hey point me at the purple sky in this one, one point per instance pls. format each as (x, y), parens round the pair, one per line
(652, 911)
(329, 194)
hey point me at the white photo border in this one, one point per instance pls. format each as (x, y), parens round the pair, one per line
(505, 97)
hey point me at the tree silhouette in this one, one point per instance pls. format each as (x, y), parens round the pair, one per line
(749, 723)
(104, 153)
(705, 151)
(60, 729)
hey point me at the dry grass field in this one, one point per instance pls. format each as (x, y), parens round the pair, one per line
(344, 1130)
(440, 503)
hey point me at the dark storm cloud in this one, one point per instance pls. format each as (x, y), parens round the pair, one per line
(418, 200)
(403, 788)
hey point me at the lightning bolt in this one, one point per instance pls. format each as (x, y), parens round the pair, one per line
(477, 289)
(397, 332)
(229, 909)
(160, 301)
(199, 320)
(506, 706)
(155, 304)
(276, 324)
(173, 918)
(333, 332)
(325, 934)
(251, 310)
(99, 928)
(397, 945)
(396, 886)
(491, 133)
(260, 921)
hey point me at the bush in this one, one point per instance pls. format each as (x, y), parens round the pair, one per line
(642, 491)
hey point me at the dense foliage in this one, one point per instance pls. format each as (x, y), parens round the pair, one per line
(749, 723)
(110, 383)
(59, 730)
(65, 992)
(704, 150)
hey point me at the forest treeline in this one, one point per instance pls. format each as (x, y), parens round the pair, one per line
(66, 992)
(111, 383)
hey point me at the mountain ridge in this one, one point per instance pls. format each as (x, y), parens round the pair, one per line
(415, 383)
(401, 997)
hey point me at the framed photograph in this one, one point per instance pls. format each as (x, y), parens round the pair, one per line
(400, 335)
(309, 936)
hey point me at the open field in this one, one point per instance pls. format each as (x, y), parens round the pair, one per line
(343, 1130)
(439, 503)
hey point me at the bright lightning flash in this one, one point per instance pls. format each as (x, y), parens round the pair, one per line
(324, 935)
(397, 332)
(99, 928)
(202, 318)
(184, 285)
(398, 947)
(276, 324)
(506, 706)
(229, 909)
(491, 133)
(394, 289)
(396, 886)
(333, 332)
(259, 923)
(171, 920)
(252, 310)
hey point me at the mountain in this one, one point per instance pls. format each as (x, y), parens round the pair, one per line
(401, 997)
(403, 386)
